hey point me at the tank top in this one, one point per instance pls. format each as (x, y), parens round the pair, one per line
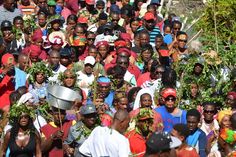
(27, 151)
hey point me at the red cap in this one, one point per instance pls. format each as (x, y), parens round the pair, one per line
(149, 16)
(125, 36)
(169, 92)
(82, 20)
(127, 51)
(7, 59)
(102, 43)
(164, 53)
(90, 2)
(38, 34)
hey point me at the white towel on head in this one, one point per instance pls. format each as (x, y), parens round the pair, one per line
(141, 92)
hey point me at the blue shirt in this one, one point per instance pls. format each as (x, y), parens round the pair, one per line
(170, 120)
(20, 78)
(108, 100)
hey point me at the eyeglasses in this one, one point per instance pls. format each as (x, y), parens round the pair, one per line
(91, 39)
(170, 99)
(209, 111)
(180, 40)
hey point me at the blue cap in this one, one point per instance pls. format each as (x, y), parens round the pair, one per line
(88, 109)
(103, 79)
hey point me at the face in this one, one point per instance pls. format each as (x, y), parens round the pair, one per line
(34, 59)
(19, 24)
(65, 60)
(209, 112)
(23, 63)
(122, 103)
(60, 3)
(103, 51)
(194, 90)
(42, 3)
(42, 20)
(230, 101)
(71, 23)
(177, 135)
(198, 69)
(159, 42)
(225, 123)
(157, 74)
(91, 39)
(145, 126)
(104, 90)
(59, 116)
(100, 7)
(149, 24)
(182, 40)
(7, 34)
(90, 120)
(146, 101)
(79, 31)
(55, 26)
(51, 9)
(9, 5)
(170, 102)
(92, 52)
(167, 30)
(54, 59)
(69, 80)
(24, 120)
(38, 42)
(134, 26)
(176, 28)
(146, 55)
(88, 69)
(192, 123)
(40, 78)
(115, 18)
(144, 39)
(123, 62)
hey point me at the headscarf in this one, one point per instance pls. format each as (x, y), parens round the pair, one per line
(38, 34)
(224, 113)
(141, 92)
(8, 58)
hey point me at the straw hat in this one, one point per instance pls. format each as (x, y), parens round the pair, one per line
(211, 58)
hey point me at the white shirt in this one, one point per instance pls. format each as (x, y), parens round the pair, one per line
(104, 141)
(84, 81)
(54, 78)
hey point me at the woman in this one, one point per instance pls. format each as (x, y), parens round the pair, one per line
(135, 23)
(23, 140)
(38, 75)
(146, 54)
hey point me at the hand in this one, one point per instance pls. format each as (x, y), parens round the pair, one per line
(70, 151)
(11, 72)
(57, 135)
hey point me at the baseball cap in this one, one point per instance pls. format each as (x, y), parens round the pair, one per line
(89, 60)
(158, 142)
(90, 2)
(7, 59)
(88, 109)
(149, 16)
(169, 92)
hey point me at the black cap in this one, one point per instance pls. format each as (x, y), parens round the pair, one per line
(6, 24)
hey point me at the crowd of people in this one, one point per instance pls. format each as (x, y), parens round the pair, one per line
(144, 90)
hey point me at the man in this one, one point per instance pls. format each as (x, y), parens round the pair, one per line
(210, 126)
(23, 61)
(149, 25)
(54, 64)
(161, 145)
(65, 57)
(143, 128)
(8, 42)
(8, 11)
(104, 141)
(115, 17)
(102, 20)
(181, 132)
(54, 133)
(86, 77)
(197, 138)
(81, 130)
(170, 113)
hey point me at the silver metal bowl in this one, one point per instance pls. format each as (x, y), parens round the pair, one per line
(62, 97)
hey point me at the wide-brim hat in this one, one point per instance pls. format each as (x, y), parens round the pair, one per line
(56, 34)
(211, 58)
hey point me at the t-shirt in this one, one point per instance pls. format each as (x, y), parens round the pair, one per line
(104, 141)
(85, 81)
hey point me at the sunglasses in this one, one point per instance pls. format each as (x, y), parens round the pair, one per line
(209, 111)
(170, 99)
(180, 40)
(124, 63)
(91, 39)
(149, 21)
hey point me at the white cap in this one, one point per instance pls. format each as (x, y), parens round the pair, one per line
(89, 60)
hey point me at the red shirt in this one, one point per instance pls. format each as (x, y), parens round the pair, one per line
(137, 143)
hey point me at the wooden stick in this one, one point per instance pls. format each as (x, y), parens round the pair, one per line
(196, 35)
(59, 112)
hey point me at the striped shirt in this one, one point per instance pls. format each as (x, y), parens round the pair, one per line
(155, 31)
(28, 10)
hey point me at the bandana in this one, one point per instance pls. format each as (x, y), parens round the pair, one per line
(79, 41)
(7, 59)
(100, 43)
(120, 43)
